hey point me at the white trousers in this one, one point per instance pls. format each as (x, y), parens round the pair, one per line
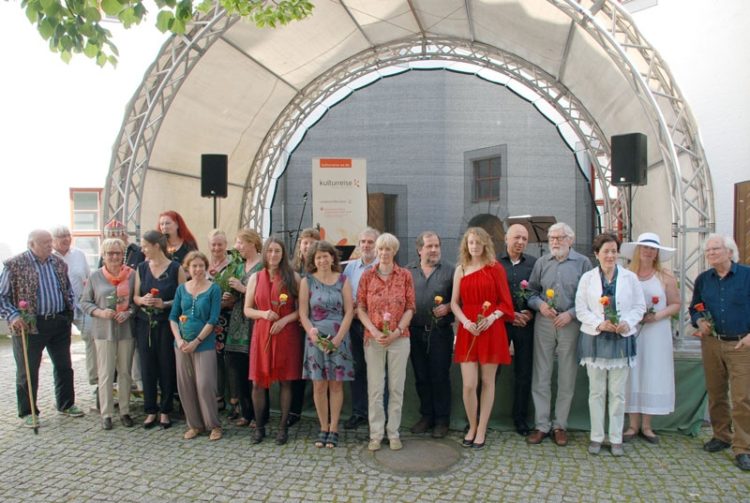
(604, 382)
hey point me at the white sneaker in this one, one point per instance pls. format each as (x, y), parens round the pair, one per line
(396, 444)
(374, 445)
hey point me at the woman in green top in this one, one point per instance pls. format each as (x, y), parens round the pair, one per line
(237, 344)
(194, 315)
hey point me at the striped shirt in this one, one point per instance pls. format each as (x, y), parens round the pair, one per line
(50, 298)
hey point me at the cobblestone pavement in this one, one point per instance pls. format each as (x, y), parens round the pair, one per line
(75, 460)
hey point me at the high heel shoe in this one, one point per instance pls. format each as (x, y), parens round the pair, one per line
(147, 425)
(467, 442)
(165, 424)
(258, 434)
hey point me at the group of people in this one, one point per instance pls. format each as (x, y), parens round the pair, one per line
(227, 325)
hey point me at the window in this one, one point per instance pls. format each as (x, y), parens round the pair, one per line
(90, 246)
(85, 210)
(487, 179)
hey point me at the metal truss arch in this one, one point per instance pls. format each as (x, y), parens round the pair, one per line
(414, 52)
(604, 22)
(146, 111)
(673, 124)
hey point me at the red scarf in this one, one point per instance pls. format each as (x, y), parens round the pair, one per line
(121, 283)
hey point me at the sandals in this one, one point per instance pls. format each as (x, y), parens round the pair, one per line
(333, 440)
(322, 438)
(629, 435)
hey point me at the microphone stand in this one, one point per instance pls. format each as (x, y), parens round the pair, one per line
(299, 226)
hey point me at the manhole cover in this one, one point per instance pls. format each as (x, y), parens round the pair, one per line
(418, 457)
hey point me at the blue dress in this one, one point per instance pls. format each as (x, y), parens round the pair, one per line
(326, 313)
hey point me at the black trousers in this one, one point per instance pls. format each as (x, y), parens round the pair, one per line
(432, 367)
(54, 335)
(359, 384)
(238, 366)
(523, 364)
(298, 387)
(156, 351)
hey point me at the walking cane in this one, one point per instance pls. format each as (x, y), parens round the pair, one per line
(34, 419)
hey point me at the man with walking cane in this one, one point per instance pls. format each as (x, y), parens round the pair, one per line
(36, 299)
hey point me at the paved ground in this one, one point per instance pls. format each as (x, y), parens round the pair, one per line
(75, 460)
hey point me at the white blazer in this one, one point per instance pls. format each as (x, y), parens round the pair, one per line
(629, 300)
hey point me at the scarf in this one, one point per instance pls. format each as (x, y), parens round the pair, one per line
(121, 282)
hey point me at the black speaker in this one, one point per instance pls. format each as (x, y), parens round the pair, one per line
(213, 175)
(629, 159)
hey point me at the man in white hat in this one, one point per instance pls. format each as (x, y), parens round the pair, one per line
(719, 310)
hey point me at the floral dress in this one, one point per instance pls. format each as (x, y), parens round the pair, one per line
(326, 313)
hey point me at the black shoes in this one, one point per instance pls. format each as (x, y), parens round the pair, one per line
(440, 430)
(282, 436)
(743, 461)
(292, 419)
(354, 422)
(258, 434)
(715, 445)
(147, 425)
(523, 429)
(107, 423)
(126, 421)
(422, 426)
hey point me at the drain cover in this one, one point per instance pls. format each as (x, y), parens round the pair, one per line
(418, 457)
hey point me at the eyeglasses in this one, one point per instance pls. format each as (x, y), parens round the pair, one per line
(557, 238)
(113, 254)
(714, 249)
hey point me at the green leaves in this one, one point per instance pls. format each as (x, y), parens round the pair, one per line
(74, 26)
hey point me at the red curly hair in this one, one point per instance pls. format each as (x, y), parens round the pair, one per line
(182, 229)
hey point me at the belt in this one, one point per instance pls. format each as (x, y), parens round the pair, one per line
(729, 337)
(53, 316)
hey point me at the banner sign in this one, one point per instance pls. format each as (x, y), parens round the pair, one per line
(339, 198)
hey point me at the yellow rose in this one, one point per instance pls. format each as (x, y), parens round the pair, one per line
(283, 297)
(438, 300)
(550, 293)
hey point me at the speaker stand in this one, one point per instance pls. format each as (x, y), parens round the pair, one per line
(630, 212)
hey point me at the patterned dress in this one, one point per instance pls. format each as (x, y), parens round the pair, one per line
(326, 313)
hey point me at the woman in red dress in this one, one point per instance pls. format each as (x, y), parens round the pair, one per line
(481, 297)
(275, 349)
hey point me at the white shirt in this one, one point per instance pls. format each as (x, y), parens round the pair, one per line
(78, 272)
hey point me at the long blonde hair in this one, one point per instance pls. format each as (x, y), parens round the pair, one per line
(488, 253)
(635, 265)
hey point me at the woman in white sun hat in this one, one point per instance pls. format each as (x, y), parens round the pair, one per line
(650, 386)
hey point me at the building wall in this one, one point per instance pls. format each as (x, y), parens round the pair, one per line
(414, 129)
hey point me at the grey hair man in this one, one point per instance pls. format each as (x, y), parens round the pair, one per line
(554, 281)
(36, 298)
(719, 310)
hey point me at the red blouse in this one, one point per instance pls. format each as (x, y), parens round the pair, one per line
(392, 294)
